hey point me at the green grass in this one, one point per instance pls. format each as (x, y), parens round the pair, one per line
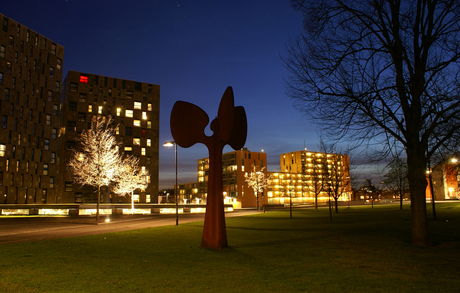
(362, 250)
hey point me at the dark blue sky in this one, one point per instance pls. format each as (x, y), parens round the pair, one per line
(193, 50)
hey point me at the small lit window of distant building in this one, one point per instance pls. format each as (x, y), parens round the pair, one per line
(73, 87)
(149, 106)
(142, 151)
(136, 197)
(59, 62)
(136, 141)
(128, 149)
(2, 51)
(117, 130)
(90, 108)
(45, 169)
(144, 115)
(83, 79)
(147, 161)
(149, 142)
(137, 123)
(118, 111)
(147, 198)
(99, 110)
(149, 124)
(2, 150)
(138, 105)
(129, 113)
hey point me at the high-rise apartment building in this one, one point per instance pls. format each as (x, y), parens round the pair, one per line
(134, 107)
(30, 91)
(308, 175)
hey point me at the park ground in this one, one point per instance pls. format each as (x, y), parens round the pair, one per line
(362, 249)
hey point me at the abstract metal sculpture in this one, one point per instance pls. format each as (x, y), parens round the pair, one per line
(188, 123)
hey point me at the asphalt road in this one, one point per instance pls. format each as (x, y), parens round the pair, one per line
(24, 229)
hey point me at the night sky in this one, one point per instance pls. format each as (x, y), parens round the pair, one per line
(193, 50)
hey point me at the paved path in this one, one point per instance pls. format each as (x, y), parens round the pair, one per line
(24, 229)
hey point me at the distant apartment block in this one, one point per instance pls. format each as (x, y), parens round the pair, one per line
(30, 91)
(308, 175)
(303, 174)
(234, 165)
(134, 107)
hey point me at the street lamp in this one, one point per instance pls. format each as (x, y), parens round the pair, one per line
(170, 144)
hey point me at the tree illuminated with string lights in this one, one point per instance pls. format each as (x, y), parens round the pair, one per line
(99, 162)
(131, 177)
(257, 181)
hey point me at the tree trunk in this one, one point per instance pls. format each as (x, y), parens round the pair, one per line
(98, 201)
(336, 205)
(416, 165)
(400, 199)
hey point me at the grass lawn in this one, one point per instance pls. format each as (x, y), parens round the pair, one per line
(361, 250)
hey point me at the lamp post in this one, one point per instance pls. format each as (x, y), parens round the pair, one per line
(170, 144)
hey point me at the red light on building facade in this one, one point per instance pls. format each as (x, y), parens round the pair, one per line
(83, 79)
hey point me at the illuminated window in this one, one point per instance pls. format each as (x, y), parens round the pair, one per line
(149, 124)
(149, 106)
(117, 130)
(2, 150)
(83, 79)
(142, 151)
(147, 198)
(118, 111)
(45, 169)
(136, 197)
(137, 123)
(137, 105)
(128, 149)
(144, 115)
(149, 142)
(129, 113)
(90, 108)
(100, 110)
(136, 141)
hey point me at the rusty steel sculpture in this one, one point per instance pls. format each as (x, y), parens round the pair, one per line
(188, 123)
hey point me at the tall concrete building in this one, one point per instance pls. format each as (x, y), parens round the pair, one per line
(42, 117)
(30, 90)
(134, 107)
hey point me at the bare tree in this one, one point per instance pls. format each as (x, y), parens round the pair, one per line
(395, 180)
(337, 176)
(257, 181)
(131, 177)
(371, 190)
(382, 72)
(98, 162)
